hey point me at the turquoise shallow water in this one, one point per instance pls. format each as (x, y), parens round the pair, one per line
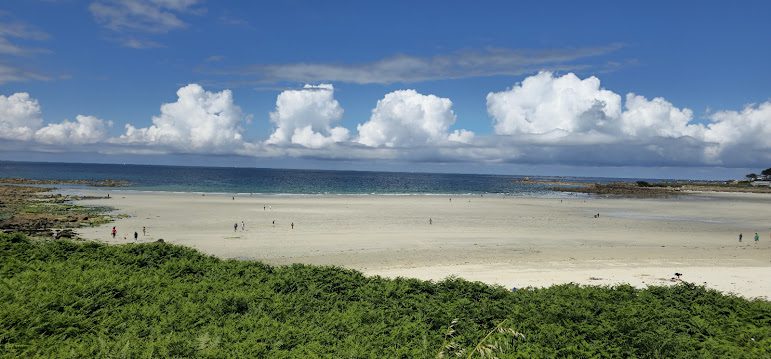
(280, 181)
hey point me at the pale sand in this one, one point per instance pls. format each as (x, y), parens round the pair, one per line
(511, 241)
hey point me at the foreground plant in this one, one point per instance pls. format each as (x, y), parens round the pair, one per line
(497, 341)
(68, 299)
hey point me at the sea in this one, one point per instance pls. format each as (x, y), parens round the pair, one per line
(287, 181)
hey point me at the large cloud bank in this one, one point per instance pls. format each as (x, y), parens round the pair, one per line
(545, 119)
(565, 116)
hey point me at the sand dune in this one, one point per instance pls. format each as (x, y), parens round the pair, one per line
(511, 241)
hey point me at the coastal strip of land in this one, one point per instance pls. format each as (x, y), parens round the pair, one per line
(646, 189)
(511, 241)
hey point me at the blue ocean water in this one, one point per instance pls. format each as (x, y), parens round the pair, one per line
(281, 181)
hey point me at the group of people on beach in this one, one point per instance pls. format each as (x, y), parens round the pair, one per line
(243, 225)
(114, 233)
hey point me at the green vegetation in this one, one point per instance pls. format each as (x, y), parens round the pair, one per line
(85, 299)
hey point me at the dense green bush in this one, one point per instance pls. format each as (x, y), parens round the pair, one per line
(84, 299)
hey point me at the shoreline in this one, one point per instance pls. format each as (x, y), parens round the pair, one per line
(506, 240)
(531, 194)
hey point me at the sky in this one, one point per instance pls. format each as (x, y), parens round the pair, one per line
(655, 89)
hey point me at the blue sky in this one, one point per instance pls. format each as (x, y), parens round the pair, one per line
(98, 58)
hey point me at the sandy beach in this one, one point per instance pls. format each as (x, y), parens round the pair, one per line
(511, 241)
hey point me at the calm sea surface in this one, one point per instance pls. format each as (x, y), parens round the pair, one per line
(282, 181)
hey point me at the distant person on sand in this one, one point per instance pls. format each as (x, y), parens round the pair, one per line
(234, 198)
(242, 225)
(274, 223)
(740, 237)
(144, 230)
(136, 235)
(235, 226)
(114, 232)
(292, 225)
(757, 238)
(430, 221)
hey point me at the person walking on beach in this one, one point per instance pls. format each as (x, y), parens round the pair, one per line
(235, 226)
(274, 223)
(740, 237)
(136, 235)
(292, 225)
(114, 232)
(242, 225)
(430, 221)
(757, 238)
(144, 231)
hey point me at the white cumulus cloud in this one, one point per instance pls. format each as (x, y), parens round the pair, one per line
(20, 116)
(21, 119)
(543, 103)
(738, 135)
(567, 105)
(85, 129)
(199, 121)
(657, 117)
(406, 118)
(750, 127)
(305, 117)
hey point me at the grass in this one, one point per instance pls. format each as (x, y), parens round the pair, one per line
(84, 299)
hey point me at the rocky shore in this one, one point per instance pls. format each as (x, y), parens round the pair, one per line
(38, 212)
